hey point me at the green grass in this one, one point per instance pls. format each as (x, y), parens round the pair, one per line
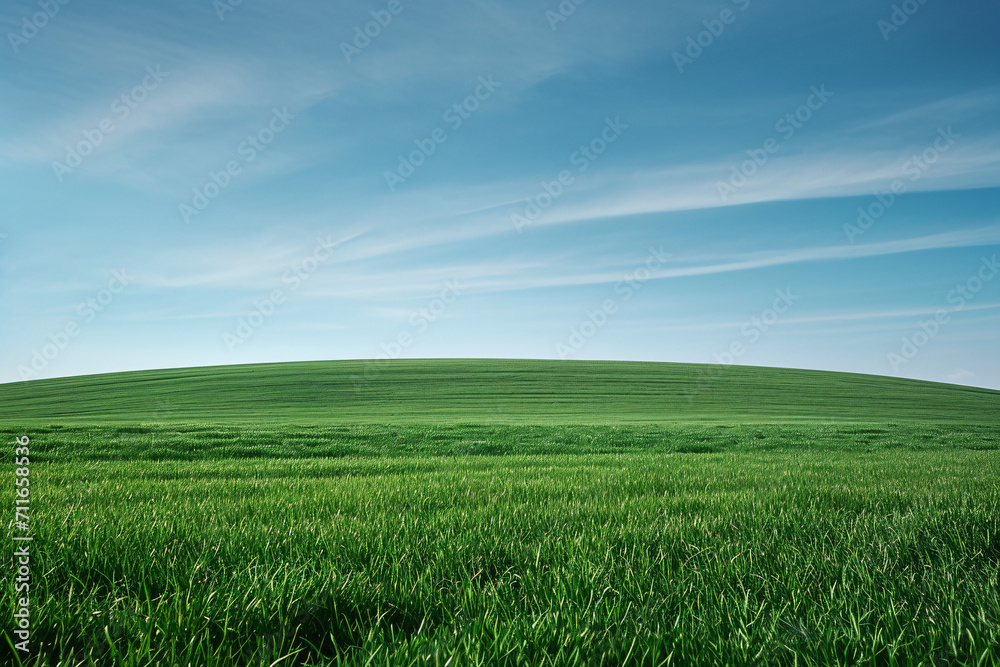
(889, 558)
(260, 516)
(489, 391)
(201, 442)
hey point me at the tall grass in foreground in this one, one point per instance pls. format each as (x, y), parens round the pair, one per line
(885, 557)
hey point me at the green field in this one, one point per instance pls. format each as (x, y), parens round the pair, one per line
(507, 513)
(447, 391)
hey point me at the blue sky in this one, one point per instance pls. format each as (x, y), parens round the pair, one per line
(197, 183)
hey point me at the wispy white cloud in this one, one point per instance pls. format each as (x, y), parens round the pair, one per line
(966, 238)
(554, 270)
(975, 164)
(245, 264)
(961, 375)
(181, 97)
(443, 215)
(954, 108)
(846, 318)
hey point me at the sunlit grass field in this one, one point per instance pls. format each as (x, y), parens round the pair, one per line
(471, 391)
(530, 538)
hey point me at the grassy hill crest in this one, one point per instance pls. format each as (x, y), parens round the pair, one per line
(489, 390)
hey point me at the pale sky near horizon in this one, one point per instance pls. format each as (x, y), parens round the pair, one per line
(795, 184)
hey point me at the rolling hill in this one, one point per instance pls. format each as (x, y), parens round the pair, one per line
(475, 391)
